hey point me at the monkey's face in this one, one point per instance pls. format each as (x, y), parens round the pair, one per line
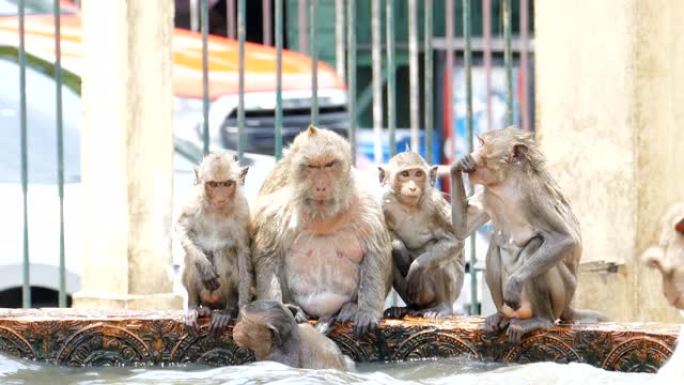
(253, 334)
(668, 257)
(410, 184)
(498, 155)
(219, 193)
(322, 182)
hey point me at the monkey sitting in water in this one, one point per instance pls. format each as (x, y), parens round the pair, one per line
(534, 252)
(667, 256)
(428, 261)
(213, 229)
(270, 331)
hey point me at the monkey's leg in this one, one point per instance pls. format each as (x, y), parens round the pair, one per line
(518, 328)
(195, 310)
(546, 297)
(493, 275)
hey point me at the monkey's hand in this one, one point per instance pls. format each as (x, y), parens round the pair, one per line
(208, 275)
(364, 322)
(512, 291)
(465, 164)
(219, 321)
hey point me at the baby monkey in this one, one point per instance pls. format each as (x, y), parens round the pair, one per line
(428, 261)
(213, 230)
(269, 329)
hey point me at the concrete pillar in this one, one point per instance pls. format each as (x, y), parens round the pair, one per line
(127, 152)
(610, 119)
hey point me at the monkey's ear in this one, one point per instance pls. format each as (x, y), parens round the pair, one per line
(236, 157)
(312, 130)
(433, 175)
(275, 335)
(519, 153)
(679, 227)
(243, 174)
(383, 175)
(195, 171)
(653, 258)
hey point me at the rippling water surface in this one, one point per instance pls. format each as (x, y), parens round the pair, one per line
(443, 371)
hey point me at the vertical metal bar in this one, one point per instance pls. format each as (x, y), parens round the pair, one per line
(339, 38)
(391, 79)
(351, 73)
(26, 286)
(60, 150)
(313, 12)
(428, 81)
(413, 73)
(241, 79)
(506, 14)
(279, 79)
(469, 126)
(266, 21)
(524, 95)
(449, 103)
(376, 26)
(487, 30)
(230, 18)
(204, 21)
(301, 17)
(194, 15)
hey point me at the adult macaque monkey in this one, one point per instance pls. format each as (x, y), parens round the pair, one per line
(270, 331)
(213, 229)
(319, 238)
(428, 260)
(532, 260)
(667, 256)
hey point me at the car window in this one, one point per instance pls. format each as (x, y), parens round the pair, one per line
(41, 127)
(10, 7)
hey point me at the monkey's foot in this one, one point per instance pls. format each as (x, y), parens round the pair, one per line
(396, 312)
(297, 312)
(219, 321)
(364, 322)
(518, 328)
(495, 323)
(433, 312)
(347, 312)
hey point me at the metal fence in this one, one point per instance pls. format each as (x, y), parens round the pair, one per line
(384, 75)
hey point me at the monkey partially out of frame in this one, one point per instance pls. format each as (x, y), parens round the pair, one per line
(270, 331)
(213, 229)
(534, 253)
(319, 236)
(428, 260)
(667, 256)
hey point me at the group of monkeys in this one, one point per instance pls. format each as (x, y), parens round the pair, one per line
(319, 243)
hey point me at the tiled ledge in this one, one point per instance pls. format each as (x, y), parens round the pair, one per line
(114, 337)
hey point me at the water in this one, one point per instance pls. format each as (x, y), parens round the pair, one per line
(443, 371)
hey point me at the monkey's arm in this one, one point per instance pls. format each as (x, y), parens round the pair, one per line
(194, 255)
(541, 252)
(465, 217)
(374, 280)
(245, 271)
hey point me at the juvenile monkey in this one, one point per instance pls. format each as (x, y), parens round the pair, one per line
(667, 256)
(270, 331)
(213, 229)
(532, 260)
(319, 238)
(428, 260)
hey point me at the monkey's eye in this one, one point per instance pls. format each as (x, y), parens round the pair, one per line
(419, 173)
(227, 183)
(330, 164)
(405, 174)
(212, 184)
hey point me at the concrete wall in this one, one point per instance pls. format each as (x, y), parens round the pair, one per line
(127, 152)
(610, 118)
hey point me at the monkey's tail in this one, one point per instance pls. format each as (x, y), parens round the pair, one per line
(582, 316)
